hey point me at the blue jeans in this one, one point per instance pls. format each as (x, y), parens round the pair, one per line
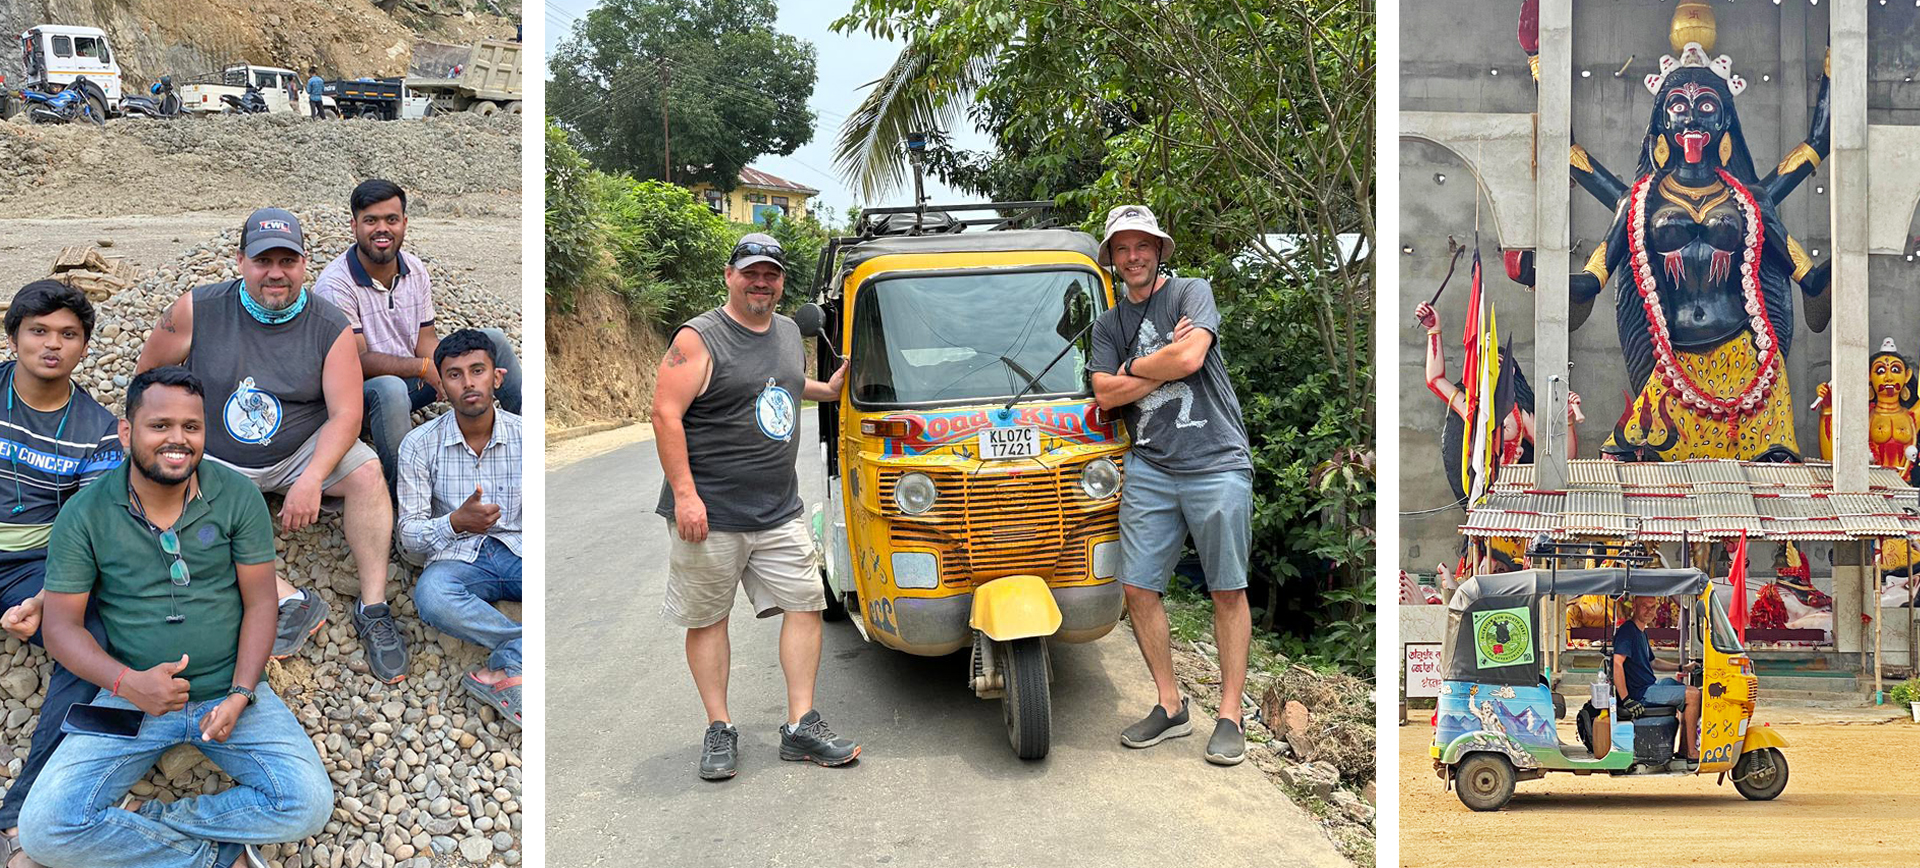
(1666, 691)
(21, 575)
(455, 598)
(1157, 511)
(281, 792)
(391, 402)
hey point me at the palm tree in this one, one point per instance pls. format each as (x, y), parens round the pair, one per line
(925, 90)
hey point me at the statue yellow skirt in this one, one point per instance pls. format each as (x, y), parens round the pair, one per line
(1676, 432)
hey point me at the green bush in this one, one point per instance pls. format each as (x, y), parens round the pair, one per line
(670, 250)
(1906, 691)
(574, 236)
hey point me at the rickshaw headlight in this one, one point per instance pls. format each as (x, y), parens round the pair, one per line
(914, 493)
(1100, 478)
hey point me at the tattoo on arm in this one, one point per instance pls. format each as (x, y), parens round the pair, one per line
(675, 358)
(166, 321)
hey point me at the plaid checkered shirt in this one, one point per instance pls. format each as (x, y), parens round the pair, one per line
(438, 472)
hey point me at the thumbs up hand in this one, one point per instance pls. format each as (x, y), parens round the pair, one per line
(474, 516)
(158, 690)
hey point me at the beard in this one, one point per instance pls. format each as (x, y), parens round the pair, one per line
(149, 465)
(474, 411)
(377, 256)
(293, 295)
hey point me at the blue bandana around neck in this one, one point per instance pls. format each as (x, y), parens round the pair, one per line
(271, 317)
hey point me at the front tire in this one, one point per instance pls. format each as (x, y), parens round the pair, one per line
(1761, 775)
(1027, 704)
(1484, 781)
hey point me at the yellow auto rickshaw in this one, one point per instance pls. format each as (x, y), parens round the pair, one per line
(973, 485)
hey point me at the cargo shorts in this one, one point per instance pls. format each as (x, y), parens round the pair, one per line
(776, 566)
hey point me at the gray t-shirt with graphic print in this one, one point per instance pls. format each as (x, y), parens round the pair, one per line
(1189, 425)
(743, 431)
(265, 393)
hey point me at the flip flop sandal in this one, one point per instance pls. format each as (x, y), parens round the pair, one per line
(503, 697)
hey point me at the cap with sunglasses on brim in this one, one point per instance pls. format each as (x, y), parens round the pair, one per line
(271, 229)
(757, 247)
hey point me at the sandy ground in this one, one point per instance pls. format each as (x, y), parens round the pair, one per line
(28, 245)
(1852, 798)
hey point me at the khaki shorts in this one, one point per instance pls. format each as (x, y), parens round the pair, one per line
(277, 478)
(776, 566)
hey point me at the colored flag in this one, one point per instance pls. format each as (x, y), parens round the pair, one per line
(1738, 574)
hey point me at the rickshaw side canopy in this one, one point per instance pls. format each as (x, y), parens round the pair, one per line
(1493, 621)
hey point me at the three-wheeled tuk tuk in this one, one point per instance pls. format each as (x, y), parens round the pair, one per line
(973, 485)
(1495, 722)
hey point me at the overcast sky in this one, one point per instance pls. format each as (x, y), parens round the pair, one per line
(846, 64)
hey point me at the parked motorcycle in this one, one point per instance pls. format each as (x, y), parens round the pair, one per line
(161, 101)
(248, 103)
(60, 104)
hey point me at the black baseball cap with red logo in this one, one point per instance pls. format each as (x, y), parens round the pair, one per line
(270, 229)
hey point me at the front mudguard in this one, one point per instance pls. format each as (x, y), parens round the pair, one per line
(1015, 607)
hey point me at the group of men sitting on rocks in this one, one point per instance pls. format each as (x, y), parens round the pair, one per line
(155, 590)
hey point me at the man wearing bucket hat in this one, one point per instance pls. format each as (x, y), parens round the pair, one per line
(725, 413)
(1156, 359)
(282, 374)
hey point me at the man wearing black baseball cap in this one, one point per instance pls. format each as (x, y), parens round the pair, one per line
(284, 405)
(725, 412)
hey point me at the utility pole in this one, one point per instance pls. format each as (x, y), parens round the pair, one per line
(666, 134)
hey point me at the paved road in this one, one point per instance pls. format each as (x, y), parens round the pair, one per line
(936, 784)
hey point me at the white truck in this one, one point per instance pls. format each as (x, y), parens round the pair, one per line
(283, 89)
(60, 54)
(483, 78)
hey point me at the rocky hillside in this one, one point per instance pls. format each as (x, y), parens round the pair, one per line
(345, 38)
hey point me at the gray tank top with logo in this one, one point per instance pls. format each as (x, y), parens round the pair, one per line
(263, 382)
(743, 431)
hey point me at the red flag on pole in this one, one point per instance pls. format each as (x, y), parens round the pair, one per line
(1738, 574)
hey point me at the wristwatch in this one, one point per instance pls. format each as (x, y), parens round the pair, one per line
(1127, 368)
(237, 690)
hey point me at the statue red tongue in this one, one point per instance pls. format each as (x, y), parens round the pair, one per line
(1694, 143)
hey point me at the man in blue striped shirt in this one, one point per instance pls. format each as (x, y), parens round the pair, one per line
(54, 440)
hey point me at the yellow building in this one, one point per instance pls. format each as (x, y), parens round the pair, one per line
(757, 193)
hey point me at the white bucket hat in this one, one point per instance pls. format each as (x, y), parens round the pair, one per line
(1135, 217)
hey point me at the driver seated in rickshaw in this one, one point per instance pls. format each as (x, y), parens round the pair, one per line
(1635, 684)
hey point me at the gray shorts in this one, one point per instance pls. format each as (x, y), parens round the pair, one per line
(776, 566)
(277, 478)
(1157, 511)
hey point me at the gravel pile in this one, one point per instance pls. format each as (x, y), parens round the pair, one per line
(423, 776)
(445, 162)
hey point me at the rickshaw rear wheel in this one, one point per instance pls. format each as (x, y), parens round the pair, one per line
(836, 603)
(1761, 775)
(1027, 704)
(1484, 781)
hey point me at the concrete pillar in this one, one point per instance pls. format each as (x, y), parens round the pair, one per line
(1848, 209)
(1552, 251)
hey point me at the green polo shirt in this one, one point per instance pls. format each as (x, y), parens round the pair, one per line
(101, 547)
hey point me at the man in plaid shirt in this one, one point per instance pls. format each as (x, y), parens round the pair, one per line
(459, 490)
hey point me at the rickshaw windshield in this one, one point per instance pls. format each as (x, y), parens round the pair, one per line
(942, 339)
(1725, 640)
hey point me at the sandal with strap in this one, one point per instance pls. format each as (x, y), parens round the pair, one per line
(503, 697)
(10, 847)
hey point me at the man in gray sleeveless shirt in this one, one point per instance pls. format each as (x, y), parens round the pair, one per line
(1156, 359)
(726, 413)
(282, 373)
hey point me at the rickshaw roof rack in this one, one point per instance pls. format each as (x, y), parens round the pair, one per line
(913, 220)
(1554, 551)
(1608, 581)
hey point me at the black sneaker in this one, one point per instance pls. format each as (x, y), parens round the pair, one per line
(386, 648)
(813, 742)
(720, 752)
(1157, 727)
(299, 618)
(1228, 746)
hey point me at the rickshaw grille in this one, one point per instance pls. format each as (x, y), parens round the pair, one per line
(987, 526)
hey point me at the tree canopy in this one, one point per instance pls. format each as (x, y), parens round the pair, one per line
(731, 87)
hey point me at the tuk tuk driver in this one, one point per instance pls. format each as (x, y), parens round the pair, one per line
(1635, 684)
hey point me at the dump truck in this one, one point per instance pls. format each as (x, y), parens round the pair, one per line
(483, 78)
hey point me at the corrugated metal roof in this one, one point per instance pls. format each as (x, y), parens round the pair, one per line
(752, 177)
(1702, 499)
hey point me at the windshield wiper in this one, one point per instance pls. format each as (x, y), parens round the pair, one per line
(1043, 371)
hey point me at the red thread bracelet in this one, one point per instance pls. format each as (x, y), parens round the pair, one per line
(116, 680)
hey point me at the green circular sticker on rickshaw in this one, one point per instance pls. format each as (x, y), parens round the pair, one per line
(1502, 638)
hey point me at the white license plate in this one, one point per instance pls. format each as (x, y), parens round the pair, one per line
(998, 443)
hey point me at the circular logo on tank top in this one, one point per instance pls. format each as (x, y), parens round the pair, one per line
(775, 411)
(252, 415)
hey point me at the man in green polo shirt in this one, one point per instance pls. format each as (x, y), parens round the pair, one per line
(178, 556)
